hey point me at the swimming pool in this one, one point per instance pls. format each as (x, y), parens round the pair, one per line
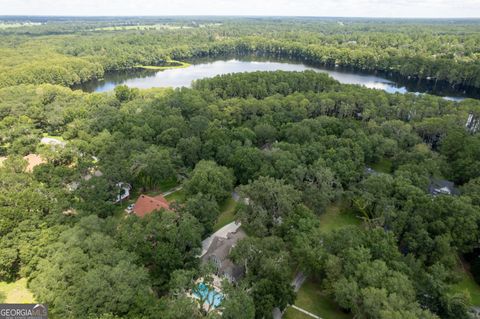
(211, 296)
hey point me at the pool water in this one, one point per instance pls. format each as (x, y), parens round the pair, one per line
(211, 297)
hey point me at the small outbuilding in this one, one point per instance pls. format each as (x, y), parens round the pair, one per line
(124, 192)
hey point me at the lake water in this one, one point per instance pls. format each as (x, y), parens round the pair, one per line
(183, 77)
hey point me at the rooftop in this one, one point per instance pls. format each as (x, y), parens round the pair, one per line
(442, 187)
(32, 161)
(52, 141)
(146, 204)
(218, 252)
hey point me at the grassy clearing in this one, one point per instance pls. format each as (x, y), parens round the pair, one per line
(17, 25)
(227, 214)
(291, 313)
(16, 292)
(383, 166)
(336, 216)
(169, 65)
(119, 211)
(165, 186)
(312, 299)
(55, 137)
(468, 283)
(158, 26)
(142, 27)
(161, 188)
(179, 196)
(9, 25)
(60, 138)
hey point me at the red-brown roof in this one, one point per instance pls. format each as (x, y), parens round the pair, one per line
(32, 161)
(146, 204)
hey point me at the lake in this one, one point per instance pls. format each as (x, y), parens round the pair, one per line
(206, 68)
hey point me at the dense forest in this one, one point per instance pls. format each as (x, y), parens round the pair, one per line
(290, 145)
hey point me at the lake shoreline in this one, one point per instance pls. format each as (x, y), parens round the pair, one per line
(182, 75)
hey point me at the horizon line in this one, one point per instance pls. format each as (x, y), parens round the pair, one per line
(235, 16)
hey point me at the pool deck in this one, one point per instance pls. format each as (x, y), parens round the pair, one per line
(214, 298)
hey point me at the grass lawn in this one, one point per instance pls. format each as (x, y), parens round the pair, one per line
(161, 188)
(383, 166)
(142, 27)
(9, 25)
(178, 196)
(469, 284)
(17, 25)
(15, 292)
(291, 313)
(311, 298)
(56, 137)
(167, 185)
(227, 214)
(336, 217)
(170, 65)
(119, 211)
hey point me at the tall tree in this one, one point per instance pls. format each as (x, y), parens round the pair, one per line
(267, 272)
(164, 242)
(153, 167)
(85, 274)
(210, 179)
(266, 202)
(204, 208)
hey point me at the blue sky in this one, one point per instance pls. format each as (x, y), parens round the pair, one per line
(347, 8)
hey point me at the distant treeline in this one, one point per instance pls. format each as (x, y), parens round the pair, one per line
(435, 51)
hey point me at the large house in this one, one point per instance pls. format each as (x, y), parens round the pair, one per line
(218, 252)
(54, 142)
(146, 205)
(442, 187)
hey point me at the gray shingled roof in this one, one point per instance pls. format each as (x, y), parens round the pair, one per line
(442, 186)
(220, 249)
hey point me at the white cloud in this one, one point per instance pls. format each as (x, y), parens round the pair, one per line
(368, 8)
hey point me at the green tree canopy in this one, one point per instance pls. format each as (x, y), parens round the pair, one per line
(210, 179)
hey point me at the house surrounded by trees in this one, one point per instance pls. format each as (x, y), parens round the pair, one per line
(218, 253)
(146, 204)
